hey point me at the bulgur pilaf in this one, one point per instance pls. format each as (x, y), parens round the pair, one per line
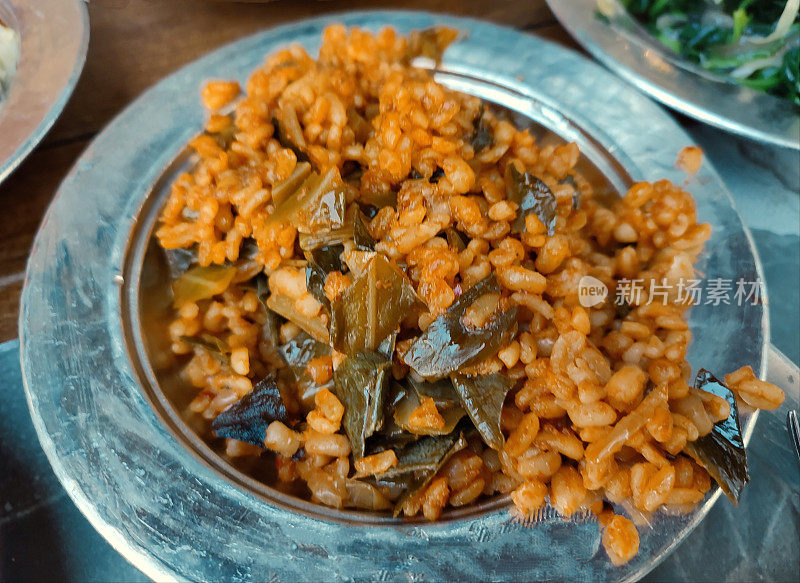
(377, 290)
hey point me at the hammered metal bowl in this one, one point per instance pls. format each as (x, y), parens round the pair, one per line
(106, 404)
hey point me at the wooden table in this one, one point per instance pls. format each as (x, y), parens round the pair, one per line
(133, 44)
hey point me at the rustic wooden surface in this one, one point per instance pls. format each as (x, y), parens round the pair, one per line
(133, 44)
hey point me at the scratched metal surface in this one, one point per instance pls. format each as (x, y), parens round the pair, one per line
(168, 511)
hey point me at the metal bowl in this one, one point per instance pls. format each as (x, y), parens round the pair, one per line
(107, 410)
(54, 37)
(625, 47)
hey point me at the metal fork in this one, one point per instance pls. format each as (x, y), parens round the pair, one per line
(793, 426)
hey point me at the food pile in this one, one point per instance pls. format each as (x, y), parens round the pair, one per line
(376, 291)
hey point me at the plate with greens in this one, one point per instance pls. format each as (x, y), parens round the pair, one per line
(731, 63)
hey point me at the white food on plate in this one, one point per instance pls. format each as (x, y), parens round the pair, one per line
(9, 51)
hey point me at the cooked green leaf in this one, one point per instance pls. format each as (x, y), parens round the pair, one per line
(289, 186)
(442, 392)
(437, 175)
(316, 204)
(284, 306)
(372, 307)
(425, 454)
(532, 196)
(447, 345)
(179, 260)
(217, 347)
(378, 199)
(409, 403)
(420, 481)
(284, 139)
(331, 239)
(455, 239)
(361, 235)
(361, 382)
(482, 136)
(248, 418)
(388, 345)
(300, 350)
(354, 229)
(248, 249)
(202, 283)
(297, 353)
(483, 396)
(321, 261)
(722, 451)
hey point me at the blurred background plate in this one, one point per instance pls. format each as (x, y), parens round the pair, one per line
(54, 37)
(172, 512)
(626, 48)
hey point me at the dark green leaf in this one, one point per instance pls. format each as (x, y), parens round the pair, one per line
(623, 308)
(285, 189)
(442, 392)
(321, 261)
(331, 239)
(248, 418)
(361, 235)
(532, 196)
(372, 307)
(455, 239)
(420, 482)
(249, 249)
(300, 350)
(483, 396)
(315, 283)
(179, 260)
(378, 199)
(297, 353)
(316, 204)
(425, 454)
(482, 137)
(437, 175)
(387, 347)
(447, 345)
(722, 451)
(287, 143)
(411, 401)
(217, 347)
(361, 382)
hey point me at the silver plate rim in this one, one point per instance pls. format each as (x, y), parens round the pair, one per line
(38, 37)
(655, 74)
(132, 551)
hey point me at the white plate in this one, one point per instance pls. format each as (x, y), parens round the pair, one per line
(54, 36)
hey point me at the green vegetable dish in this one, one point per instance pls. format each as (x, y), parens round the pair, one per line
(755, 43)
